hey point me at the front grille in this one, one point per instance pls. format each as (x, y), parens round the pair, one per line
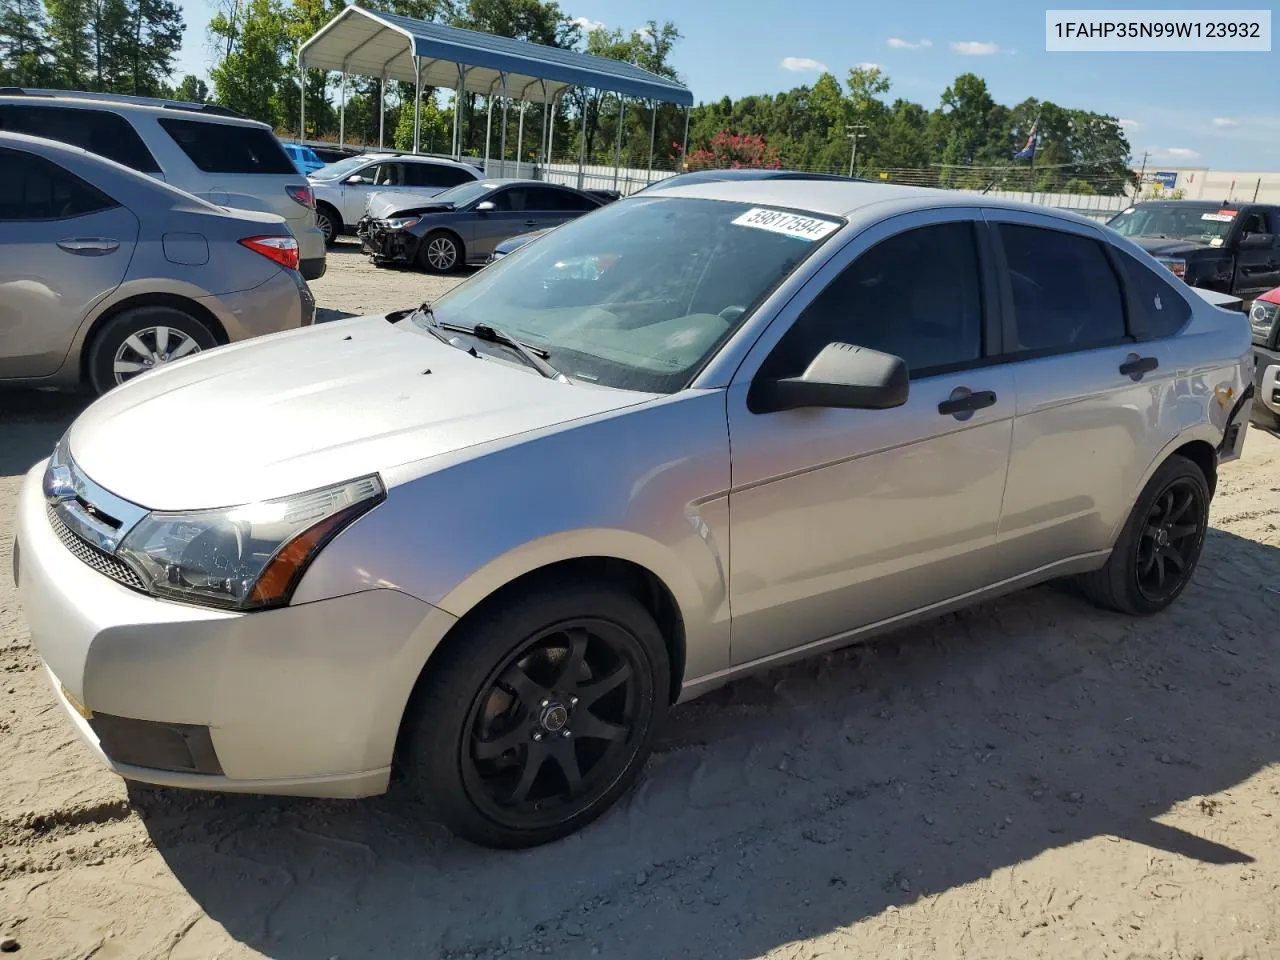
(87, 553)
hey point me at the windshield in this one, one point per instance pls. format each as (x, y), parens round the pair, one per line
(340, 168)
(1203, 223)
(464, 193)
(638, 294)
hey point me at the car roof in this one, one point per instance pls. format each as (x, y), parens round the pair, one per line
(844, 198)
(415, 157)
(122, 103)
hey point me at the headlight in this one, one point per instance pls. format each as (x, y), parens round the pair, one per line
(244, 558)
(1263, 314)
(402, 223)
(1179, 267)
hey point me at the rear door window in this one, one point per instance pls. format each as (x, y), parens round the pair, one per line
(100, 132)
(33, 188)
(1066, 296)
(564, 201)
(435, 175)
(228, 147)
(1159, 311)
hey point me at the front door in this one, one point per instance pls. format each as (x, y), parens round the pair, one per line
(1258, 263)
(513, 213)
(1093, 396)
(63, 247)
(357, 188)
(845, 518)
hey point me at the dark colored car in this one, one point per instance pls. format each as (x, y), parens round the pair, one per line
(464, 224)
(679, 180)
(1232, 248)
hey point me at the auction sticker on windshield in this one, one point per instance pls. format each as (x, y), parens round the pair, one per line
(788, 224)
(1222, 216)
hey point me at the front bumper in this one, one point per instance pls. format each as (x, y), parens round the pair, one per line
(384, 245)
(1266, 379)
(304, 700)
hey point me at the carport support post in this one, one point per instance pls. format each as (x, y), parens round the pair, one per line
(617, 150)
(542, 141)
(458, 94)
(382, 109)
(342, 109)
(520, 136)
(302, 101)
(551, 130)
(503, 138)
(417, 102)
(488, 130)
(653, 132)
(684, 144)
(582, 141)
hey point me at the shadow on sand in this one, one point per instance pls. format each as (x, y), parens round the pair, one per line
(790, 805)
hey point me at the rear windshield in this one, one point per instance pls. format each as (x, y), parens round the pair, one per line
(229, 148)
(101, 132)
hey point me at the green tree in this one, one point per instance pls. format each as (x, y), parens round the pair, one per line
(69, 42)
(153, 36)
(436, 132)
(192, 89)
(249, 79)
(24, 47)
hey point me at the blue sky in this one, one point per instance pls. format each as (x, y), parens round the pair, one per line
(1218, 110)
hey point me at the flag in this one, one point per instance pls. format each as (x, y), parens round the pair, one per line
(1029, 149)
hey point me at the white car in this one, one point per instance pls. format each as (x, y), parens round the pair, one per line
(684, 437)
(207, 150)
(342, 189)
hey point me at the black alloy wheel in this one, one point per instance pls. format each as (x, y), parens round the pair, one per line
(1170, 541)
(553, 729)
(537, 713)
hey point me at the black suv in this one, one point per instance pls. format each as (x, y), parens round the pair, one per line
(1230, 247)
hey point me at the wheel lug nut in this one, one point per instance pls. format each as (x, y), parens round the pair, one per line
(545, 703)
(537, 736)
(564, 733)
(573, 701)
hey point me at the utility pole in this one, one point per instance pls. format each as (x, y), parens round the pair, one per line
(851, 131)
(1137, 194)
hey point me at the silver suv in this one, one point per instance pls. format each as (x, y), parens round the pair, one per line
(106, 274)
(206, 150)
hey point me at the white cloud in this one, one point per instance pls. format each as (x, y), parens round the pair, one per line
(1128, 124)
(644, 31)
(1223, 122)
(1182, 153)
(587, 24)
(974, 48)
(803, 65)
(868, 66)
(899, 44)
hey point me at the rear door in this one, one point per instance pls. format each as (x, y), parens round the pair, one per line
(555, 205)
(64, 245)
(1093, 395)
(1257, 267)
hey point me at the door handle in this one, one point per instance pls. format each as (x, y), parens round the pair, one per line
(967, 403)
(89, 246)
(531, 223)
(1135, 366)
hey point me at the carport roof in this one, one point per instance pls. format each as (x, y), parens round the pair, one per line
(365, 43)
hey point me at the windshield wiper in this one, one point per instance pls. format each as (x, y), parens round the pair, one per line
(433, 325)
(534, 356)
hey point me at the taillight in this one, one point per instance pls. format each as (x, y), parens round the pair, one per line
(283, 250)
(302, 195)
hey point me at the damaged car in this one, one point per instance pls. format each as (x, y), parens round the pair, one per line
(464, 225)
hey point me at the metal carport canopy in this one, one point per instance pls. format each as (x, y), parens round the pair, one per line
(364, 43)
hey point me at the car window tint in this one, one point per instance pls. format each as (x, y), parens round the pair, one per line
(1065, 293)
(514, 198)
(228, 148)
(434, 175)
(388, 175)
(32, 188)
(559, 201)
(1253, 222)
(916, 295)
(1159, 311)
(98, 131)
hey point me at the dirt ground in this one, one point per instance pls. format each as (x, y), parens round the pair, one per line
(1030, 778)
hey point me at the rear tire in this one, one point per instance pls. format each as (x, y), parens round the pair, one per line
(1159, 547)
(538, 716)
(140, 339)
(440, 252)
(330, 224)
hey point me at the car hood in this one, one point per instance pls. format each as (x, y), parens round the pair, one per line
(1169, 247)
(516, 242)
(383, 205)
(294, 411)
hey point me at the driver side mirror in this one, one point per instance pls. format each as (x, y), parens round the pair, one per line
(841, 376)
(356, 178)
(1256, 241)
(484, 206)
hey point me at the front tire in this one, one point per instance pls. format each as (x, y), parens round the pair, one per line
(141, 339)
(440, 252)
(1160, 545)
(538, 716)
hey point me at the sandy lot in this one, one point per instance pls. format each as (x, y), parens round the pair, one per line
(1030, 778)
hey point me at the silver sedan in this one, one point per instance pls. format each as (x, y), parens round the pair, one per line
(691, 435)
